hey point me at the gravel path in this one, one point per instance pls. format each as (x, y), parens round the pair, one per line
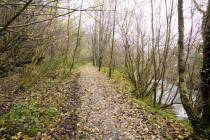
(106, 114)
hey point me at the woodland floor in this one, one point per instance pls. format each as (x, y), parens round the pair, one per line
(107, 114)
(94, 109)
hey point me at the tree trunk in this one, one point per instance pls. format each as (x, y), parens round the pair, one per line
(112, 48)
(78, 38)
(153, 54)
(205, 74)
(200, 126)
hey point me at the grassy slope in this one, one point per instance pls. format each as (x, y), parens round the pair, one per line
(123, 85)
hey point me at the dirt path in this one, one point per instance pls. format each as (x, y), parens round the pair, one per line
(91, 109)
(106, 114)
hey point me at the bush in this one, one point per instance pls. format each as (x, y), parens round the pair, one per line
(28, 119)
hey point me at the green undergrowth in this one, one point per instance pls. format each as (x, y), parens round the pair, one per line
(123, 85)
(60, 69)
(36, 110)
(28, 119)
(80, 64)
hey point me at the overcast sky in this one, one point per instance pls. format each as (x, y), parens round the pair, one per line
(142, 8)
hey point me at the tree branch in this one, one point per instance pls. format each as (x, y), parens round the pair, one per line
(16, 16)
(198, 7)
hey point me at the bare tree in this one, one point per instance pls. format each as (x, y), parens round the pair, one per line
(78, 38)
(113, 39)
